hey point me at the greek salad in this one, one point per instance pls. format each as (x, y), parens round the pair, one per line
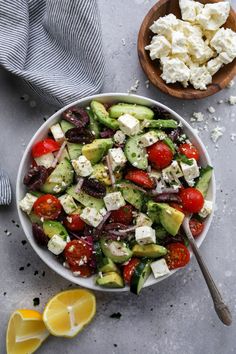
(108, 189)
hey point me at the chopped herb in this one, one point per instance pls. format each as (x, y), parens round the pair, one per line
(116, 315)
(36, 301)
(184, 159)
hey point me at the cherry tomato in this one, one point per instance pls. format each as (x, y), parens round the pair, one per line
(190, 151)
(129, 268)
(192, 200)
(77, 253)
(83, 271)
(141, 178)
(178, 255)
(196, 227)
(44, 147)
(159, 155)
(48, 207)
(123, 215)
(73, 222)
(177, 206)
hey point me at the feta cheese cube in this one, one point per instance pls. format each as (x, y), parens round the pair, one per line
(213, 16)
(45, 160)
(56, 245)
(206, 209)
(179, 43)
(82, 166)
(172, 173)
(159, 268)
(175, 70)
(159, 47)
(145, 235)
(91, 216)
(68, 203)
(200, 77)
(26, 204)
(119, 137)
(214, 65)
(57, 133)
(190, 9)
(114, 201)
(117, 158)
(190, 171)
(224, 40)
(149, 139)
(129, 124)
(143, 220)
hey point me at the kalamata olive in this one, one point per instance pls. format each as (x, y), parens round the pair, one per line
(167, 198)
(161, 113)
(107, 133)
(79, 136)
(77, 116)
(175, 134)
(36, 177)
(39, 235)
(94, 188)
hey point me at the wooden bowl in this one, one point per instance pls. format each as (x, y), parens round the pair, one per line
(152, 67)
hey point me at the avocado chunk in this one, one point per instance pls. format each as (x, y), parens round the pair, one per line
(35, 219)
(137, 111)
(135, 153)
(204, 180)
(52, 228)
(74, 150)
(161, 124)
(132, 196)
(170, 218)
(102, 115)
(110, 280)
(117, 251)
(95, 151)
(153, 212)
(59, 179)
(65, 126)
(93, 124)
(85, 199)
(100, 173)
(108, 266)
(151, 251)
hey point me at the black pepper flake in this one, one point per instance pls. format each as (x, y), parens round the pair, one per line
(115, 345)
(4, 293)
(36, 272)
(36, 301)
(116, 315)
(28, 265)
(21, 268)
(17, 225)
(43, 274)
(171, 305)
(23, 242)
(151, 309)
(13, 221)
(23, 282)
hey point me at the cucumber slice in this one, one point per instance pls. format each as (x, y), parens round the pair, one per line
(93, 125)
(204, 180)
(161, 124)
(59, 179)
(104, 264)
(137, 111)
(65, 126)
(110, 280)
(85, 199)
(103, 116)
(117, 251)
(135, 153)
(140, 275)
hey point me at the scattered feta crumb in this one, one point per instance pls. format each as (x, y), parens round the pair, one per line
(123, 41)
(220, 101)
(216, 133)
(135, 87)
(197, 117)
(211, 109)
(232, 136)
(147, 84)
(230, 84)
(32, 104)
(232, 100)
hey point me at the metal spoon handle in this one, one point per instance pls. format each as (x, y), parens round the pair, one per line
(221, 308)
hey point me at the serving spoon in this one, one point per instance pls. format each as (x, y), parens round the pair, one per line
(221, 308)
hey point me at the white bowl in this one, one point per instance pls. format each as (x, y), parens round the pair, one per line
(47, 256)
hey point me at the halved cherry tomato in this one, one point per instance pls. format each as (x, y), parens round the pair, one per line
(196, 227)
(141, 178)
(123, 215)
(73, 222)
(177, 256)
(192, 200)
(48, 207)
(177, 206)
(83, 271)
(129, 269)
(160, 155)
(78, 253)
(190, 151)
(44, 147)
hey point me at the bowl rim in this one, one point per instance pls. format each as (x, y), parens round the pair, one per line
(183, 93)
(44, 127)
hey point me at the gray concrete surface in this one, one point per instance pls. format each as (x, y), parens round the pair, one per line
(175, 316)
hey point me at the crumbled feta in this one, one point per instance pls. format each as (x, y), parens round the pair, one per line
(206, 209)
(57, 133)
(145, 235)
(232, 100)
(82, 166)
(26, 204)
(149, 138)
(216, 133)
(143, 220)
(134, 87)
(129, 124)
(225, 41)
(114, 201)
(230, 84)
(200, 77)
(159, 47)
(179, 43)
(159, 268)
(117, 158)
(174, 70)
(56, 245)
(214, 65)
(211, 109)
(165, 24)
(213, 16)
(45, 160)
(172, 173)
(68, 203)
(190, 172)
(198, 116)
(91, 216)
(103, 211)
(190, 9)
(119, 137)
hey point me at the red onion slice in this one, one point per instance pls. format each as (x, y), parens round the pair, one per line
(100, 226)
(79, 185)
(58, 155)
(111, 174)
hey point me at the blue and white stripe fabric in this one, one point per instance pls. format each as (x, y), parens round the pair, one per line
(5, 188)
(55, 45)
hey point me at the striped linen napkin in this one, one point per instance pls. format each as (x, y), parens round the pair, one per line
(55, 46)
(5, 188)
